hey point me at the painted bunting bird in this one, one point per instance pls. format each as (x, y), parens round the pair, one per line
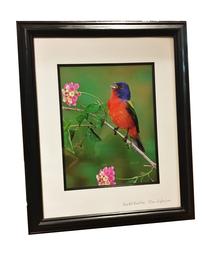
(122, 112)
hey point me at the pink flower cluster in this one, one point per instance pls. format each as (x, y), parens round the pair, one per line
(70, 93)
(106, 176)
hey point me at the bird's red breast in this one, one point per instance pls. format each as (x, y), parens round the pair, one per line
(119, 114)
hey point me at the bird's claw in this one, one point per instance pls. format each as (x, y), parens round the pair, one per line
(125, 139)
(115, 130)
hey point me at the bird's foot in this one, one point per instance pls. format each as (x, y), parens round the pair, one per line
(129, 145)
(115, 130)
(125, 139)
(126, 136)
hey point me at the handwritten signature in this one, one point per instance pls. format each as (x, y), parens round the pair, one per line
(150, 201)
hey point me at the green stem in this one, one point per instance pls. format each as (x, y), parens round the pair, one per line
(97, 98)
(137, 177)
(82, 125)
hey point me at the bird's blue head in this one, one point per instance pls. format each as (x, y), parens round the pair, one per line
(122, 90)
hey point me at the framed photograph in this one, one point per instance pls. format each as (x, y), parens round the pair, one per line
(106, 123)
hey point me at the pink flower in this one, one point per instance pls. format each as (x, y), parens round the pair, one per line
(106, 176)
(71, 86)
(70, 93)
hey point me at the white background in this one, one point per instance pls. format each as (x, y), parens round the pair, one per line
(164, 245)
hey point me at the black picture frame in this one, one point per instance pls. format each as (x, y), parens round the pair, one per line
(26, 32)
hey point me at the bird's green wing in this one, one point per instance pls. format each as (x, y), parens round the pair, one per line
(131, 110)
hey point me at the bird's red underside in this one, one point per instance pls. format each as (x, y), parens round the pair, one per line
(120, 116)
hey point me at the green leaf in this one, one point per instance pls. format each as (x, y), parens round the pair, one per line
(93, 136)
(72, 133)
(92, 108)
(100, 122)
(68, 141)
(104, 108)
(81, 118)
(66, 124)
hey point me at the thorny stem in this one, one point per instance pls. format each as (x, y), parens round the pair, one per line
(130, 143)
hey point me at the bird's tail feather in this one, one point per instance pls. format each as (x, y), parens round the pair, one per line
(139, 144)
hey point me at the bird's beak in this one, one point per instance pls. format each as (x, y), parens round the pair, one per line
(114, 86)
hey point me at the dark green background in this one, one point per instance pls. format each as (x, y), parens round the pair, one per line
(81, 168)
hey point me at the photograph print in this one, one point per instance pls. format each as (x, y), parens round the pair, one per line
(108, 120)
